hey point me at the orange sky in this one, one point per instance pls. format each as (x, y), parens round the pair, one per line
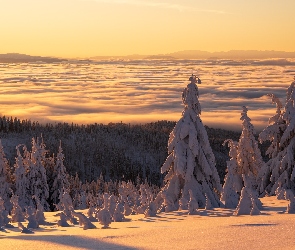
(82, 28)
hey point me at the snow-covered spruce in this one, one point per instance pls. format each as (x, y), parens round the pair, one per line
(4, 220)
(17, 214)
(151, 210)
(190, 163)
(248, 203)
(31, 217)
(83, 221)
(279, 171)
(40, 217)
(60, 181)
(104, 215)
(245, 159)
(37, 175)
(5, 178)
(62, 222)
(66, 205)
(21, 181)
(233, 180)
(118, 215)
(248, 155)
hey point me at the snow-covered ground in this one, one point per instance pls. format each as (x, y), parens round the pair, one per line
(213, 229)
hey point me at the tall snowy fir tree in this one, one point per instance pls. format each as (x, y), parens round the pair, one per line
(37, 174)
(5, 179)
(60, 181)
(281, 167)
(249, 156)
(21, 181)
(270, 170)
(190, 163)
(244, 165)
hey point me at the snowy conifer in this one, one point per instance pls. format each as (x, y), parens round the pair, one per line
(60, 181)
(104, 215)
(279, 171)
(270, 171)
(151, 210)
(190, 163)
(4, 220)
(233, 182)
(62, 222)
(5, 186)
(118, 215)
(37, 175)
(31, 217)
(21, 182)
(66, 204)
(248, 203)
(249, 156)
(16, 212)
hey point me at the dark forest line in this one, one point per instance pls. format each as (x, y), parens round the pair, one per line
(117, 151)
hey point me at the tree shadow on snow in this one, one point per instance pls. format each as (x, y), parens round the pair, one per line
(254, 225)
(78, 242)
(281, 209)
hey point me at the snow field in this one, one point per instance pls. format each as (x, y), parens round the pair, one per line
(212, 229)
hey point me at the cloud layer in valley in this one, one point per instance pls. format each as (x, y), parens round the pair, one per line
(142, 91)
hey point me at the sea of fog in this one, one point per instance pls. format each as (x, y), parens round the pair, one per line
(142, 91)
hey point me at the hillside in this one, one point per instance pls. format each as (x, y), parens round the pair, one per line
(118, 151)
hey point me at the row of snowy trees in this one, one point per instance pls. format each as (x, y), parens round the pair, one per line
(276, 175)
(38, 178)
(190, 165)
(29, 180)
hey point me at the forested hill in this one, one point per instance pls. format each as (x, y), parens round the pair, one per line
(118, 151)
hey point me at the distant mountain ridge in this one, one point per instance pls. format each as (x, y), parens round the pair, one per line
(23, 58)
(232, 54)
(198, 54)
(185, 55)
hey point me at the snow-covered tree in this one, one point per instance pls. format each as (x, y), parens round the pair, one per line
(37, 175)
(279, 171)
(104, 215)
(5, 186)
(233, 182)
(17, 214)
(273, 132)
(31, 218)
(4, 220)
(245, 160)
(60, 181)
(249, 156)
(248, 203)
(190, 163)
(20, 178)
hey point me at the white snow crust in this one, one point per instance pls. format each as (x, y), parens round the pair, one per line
(211, 229)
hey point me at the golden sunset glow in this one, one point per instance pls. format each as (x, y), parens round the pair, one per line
(84, 28)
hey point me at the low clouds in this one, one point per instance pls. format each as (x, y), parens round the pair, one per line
(142, 92)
